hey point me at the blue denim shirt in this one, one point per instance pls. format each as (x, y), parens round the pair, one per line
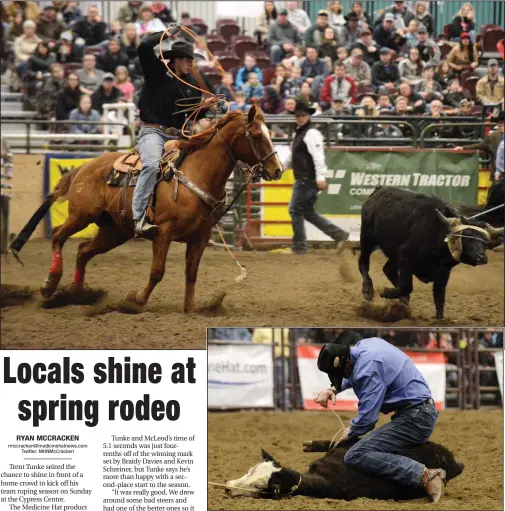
(384, 379)
(499, 157)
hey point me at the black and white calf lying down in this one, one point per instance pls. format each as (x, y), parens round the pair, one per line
(329, 478)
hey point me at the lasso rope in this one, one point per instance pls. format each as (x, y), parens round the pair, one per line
(293, 489)
(187, 103)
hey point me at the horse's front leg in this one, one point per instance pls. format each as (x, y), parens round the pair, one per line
(194, 251)
(161, 244)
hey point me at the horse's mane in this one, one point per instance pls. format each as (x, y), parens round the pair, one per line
(198, 142)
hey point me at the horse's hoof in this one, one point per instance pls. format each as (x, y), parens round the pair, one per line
(48, 288)
(368, 295)
(405, 300)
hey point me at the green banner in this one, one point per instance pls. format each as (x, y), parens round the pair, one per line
(353, 176)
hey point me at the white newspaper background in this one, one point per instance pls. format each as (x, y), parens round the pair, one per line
(116, 465)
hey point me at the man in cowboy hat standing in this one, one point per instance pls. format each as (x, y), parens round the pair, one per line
(385, 380)
(309, 167)
(159, 114)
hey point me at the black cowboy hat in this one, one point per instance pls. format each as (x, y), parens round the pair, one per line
(303, 108)
(500, 117)
(334, 367)
(178, 49)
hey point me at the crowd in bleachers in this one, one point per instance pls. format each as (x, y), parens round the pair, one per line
(69, 63)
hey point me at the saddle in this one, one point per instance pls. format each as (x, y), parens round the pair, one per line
(128, 166)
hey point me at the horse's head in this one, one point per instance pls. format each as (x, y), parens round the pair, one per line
(265, 480)
(255, 146)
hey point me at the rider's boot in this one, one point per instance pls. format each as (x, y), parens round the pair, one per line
(143, 228)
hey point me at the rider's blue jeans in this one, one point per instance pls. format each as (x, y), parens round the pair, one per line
(150, 146)
(377, 452)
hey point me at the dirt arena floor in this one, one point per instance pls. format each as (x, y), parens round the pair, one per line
(236, 438)
(317, 289)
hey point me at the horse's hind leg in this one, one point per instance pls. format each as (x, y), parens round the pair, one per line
(367, 247)
(194, 253)
(109, 236)
(61, 233)
(161, 244)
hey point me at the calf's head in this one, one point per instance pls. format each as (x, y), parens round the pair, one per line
(265, 480)
(467, 241)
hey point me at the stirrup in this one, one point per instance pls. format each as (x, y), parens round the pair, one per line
(144, 228)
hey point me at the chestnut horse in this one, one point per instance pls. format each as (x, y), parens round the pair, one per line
(238, 136)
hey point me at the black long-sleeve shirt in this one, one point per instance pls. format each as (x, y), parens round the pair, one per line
(161, 90)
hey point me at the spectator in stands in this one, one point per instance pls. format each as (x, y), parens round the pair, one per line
(423, 17)
(124, 83)
(349, 34)
(271, 102)
(401, 14)
(293, 84)
(112, 58)
(384, 31)
(26, 44)
(227, 89)
(364, 20)
(297, 58)
(336, 17)
(384, 105)
(429, 89)
(265, 20)
(240, 102)
(48, 27)
(489, 89)
(68, 12)
(28, 10)
(89, 77)
(289, 106)
(230, 334)
(186, 22)
(33, 73)
(307, 97)
(411, 33)
(357, 69)
(280, 78)
(68, 98)
(428, 49)
(14, 30)
(249, 66)
(253, 87)
(368, 108)
(337, 108)
(147, 23)
(339, 85)
(129, 12)
(444, 74)
(397, 42)
(454, 94)
(116, 30)
(342, 55)
(163, 13)
(464, 55)
(464, 110)
(67, 51)
(50, 91)
(282, 37)
(402, 106)
(313, 66)
(416, 101)
(329, 47)
(106, 93)
(385, 74)
(84, 112)
(368, 46)
(411, 69)
(464, 23)
(298, 17)
(130, 41)
(92, 30)
(315, 34)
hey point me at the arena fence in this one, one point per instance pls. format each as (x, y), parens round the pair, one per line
(278, 383)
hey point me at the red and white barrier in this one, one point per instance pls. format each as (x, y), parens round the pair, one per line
(312, 380)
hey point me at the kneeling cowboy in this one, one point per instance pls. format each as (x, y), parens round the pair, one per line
(384, 380)
(158, 113)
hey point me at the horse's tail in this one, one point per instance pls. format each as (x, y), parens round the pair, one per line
(60, 192)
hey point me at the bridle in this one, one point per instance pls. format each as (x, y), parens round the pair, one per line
(255, 172)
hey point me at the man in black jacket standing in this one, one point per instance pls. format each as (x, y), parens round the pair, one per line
(309, 168)
(159, 114)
